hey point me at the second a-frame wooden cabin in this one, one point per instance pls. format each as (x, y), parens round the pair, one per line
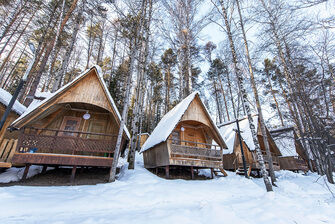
(294, 156)
(8, 140)
(232, 158)
(75, 126)
(185, 136)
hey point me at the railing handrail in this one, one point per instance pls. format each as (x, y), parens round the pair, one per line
(76, 132)
(200, 143)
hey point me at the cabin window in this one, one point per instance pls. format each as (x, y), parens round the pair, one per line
(97, 126)
(176, 137)
(70, 124)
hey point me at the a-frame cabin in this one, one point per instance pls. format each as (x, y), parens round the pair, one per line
(294, 156)
(75, 126)
(185, 136)
(8, 140)
(232, 158)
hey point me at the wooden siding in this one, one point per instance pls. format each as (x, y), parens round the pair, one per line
(156, 156)
(56, 159)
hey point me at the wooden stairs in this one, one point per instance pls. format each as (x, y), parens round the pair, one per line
(7, 150)
(240, 170)
(220, 170)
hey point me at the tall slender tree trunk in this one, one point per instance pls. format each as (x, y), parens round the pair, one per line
(12, 18)
(11, 35)
(69, 50)
(244, 96)
(17, 40)
(274, 98)
(224, 98)
(4, 84)
(143, 63)
(258, 104)
(132, 55)
(53, 51)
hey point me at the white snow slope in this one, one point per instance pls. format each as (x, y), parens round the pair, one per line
(141, 197)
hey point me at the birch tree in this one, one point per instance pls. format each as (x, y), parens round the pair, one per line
(240, 81)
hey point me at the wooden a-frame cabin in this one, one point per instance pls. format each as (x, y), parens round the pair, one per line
(232, 158)
(293, 156)
(185, 136)
(76, 126)
(8, 140)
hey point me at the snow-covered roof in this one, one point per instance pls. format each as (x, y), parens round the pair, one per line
(285, 141)
(5, 98)
(227, 131)
(168, 123)
(37, 103)
(44, 95)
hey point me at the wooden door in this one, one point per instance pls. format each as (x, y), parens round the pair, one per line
(70, 123)
(194, 136)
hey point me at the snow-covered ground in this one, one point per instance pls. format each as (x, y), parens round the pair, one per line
(141, 197)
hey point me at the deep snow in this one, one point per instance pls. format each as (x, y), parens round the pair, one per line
(139, 196)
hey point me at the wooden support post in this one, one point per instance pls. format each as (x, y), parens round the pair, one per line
(212, 173)
(192, 173)
(167, 172)
(25, 173)
(156, 170)
(44, 170)
(73, 174)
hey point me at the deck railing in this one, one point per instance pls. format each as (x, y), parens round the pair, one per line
(275, 159)
(196, 149)
(73, 142)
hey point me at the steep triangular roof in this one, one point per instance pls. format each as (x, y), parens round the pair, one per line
(170, 121)
(227, 131)
(35, 106)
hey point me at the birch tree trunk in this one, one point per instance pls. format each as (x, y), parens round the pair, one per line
(244, 96)
(145, 51)
(258, 104)
(224, 98)
(132, 54)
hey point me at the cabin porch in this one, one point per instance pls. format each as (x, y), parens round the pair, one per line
(54, 147)
(293, 163)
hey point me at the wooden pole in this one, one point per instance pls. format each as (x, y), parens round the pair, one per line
(73, 174)
(167, 172)
(25, 173)
(44, 170)
(192, 173)
(212, 173)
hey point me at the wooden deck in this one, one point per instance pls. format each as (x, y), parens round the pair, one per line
(186, 153)
(62, 159)
(293, 163)
(72, 149)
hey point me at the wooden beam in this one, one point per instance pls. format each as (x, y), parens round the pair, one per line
(192, 173)
(25, 173)
(167, 172)
(73, 174)
(44, 170)
(212, 173)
